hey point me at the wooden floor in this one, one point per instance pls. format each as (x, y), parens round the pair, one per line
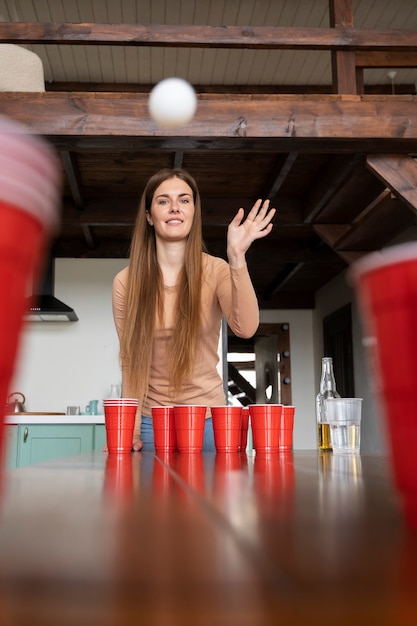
(294, 539)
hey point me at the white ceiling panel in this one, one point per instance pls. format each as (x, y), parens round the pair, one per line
(121, 64)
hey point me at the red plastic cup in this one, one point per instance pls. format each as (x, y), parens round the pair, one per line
(30, 184)
(287, 428)
(120, 423)
(163, 423)
(189, 427)
(266, 426)
(226, 427)
(244, 429)
(386, 286)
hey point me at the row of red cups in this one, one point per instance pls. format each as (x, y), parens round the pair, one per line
(181, 427)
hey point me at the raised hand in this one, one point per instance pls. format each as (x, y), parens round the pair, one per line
(240, 235)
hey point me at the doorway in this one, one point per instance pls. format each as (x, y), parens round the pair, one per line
(337, 342)
(259, 368)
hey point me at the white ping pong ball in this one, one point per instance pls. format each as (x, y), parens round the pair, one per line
(172, 102)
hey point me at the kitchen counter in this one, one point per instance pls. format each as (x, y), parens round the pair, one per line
(196, 539)
(52, 418)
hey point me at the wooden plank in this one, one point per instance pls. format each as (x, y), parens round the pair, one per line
(328, 184)
(69, 161)
(187, 36)
(283, 170)
(399, 173)
(393, 58)
(408, 88)
(358, 121)
(332, 233)
(343, 61)
(344, 72)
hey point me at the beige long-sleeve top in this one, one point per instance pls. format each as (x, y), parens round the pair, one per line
(226, 292)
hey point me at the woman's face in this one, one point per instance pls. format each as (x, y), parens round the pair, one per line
(172, 210)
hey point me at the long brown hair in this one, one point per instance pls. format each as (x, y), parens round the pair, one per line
(144, 296)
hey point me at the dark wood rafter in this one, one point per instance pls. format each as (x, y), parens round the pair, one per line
(281, 175)
(338, 235)
(393, 58)
(178, 159)
(122, 120)
(380, 89)
(88, 236)
(187, 36)
(329, 183)
(399, 173)
(343, 61)
(282, 279)
(69, 161)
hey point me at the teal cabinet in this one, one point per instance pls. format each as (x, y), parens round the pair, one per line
(99, 437)
(11, 434)
(42, 442)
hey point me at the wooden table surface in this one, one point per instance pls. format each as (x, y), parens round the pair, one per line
(297, 538)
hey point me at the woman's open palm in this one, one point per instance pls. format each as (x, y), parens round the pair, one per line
(240, 235)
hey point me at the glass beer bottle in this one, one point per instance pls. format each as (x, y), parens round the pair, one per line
(327, 390)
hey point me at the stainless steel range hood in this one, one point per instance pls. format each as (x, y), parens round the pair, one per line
(43, 306)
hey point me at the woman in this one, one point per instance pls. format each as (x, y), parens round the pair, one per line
(168, 303)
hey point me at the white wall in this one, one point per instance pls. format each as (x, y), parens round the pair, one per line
(62, 364)
(70, 363)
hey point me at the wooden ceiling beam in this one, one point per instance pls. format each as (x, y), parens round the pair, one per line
(282, 279)
(292, 268)
(145, 88)
(192, 36)
(328, 183)
(69, 161)
(337, 236)
(393, 58)
(178, 159)
(284, 168)
(353, 120)
(381, 220)
(343, 61)
(88, 236)
(399, 173)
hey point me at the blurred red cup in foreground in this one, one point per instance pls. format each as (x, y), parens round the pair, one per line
(265, 422)
(164, 434)
(119, 417)
(386, 286)
(227, 422)
(287, 428)
(189, 427)
(30, 185)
